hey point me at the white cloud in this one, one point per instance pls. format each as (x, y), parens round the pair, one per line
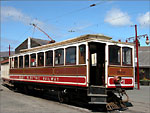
(144, 19)
(116, 17)
(11, 13)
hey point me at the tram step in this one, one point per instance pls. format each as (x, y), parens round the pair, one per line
(98, 99)
(97, 90)
(97, 95)
(97, 102)
(97, 86)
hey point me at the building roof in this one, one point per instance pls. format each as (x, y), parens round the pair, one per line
(40, 41)
(4, 62)
(144, 56)
(6, 53)
(30, 42)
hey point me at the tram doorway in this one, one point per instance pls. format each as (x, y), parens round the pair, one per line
(97, 63)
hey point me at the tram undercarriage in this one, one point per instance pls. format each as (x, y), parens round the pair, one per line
(94, 96)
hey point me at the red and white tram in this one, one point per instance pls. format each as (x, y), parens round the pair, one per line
(92, 66)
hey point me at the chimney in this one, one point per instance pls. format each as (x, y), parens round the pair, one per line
(29, 42)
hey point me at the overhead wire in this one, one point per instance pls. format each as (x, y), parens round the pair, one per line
(33, 31)
(20, 37)
(78, 10)
(97, 24)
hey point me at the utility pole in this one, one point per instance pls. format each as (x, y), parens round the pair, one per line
(137, 56)
(9, 49)
(136, 39)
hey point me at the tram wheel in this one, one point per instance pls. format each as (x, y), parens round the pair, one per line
(60, 97)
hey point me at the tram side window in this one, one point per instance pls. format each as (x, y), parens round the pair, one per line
(16, 62)
(33, 60)
(127, 55)
(59, 57)
(26, 60)
(114, 55)
(49, 58)
(41, 59)
(82, 54)
(71, 55)
(20, 61)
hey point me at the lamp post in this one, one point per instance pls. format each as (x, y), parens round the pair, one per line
(137, 56)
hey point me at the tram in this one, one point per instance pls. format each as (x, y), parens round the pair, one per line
(91, 67)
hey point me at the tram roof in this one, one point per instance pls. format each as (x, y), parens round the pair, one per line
(82, 38)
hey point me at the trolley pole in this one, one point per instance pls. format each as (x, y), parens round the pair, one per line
(137, 56)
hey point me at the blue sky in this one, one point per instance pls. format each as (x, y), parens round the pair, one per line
(57, 18)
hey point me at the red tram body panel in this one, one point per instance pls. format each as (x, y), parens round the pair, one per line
(75, 76)
(127, 74)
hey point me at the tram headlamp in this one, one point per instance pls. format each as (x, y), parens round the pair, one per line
(117, 79)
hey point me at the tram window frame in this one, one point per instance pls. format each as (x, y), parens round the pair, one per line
(68, 59)
(49, 58)
(10, 63)
(130, 54)
(31, 61)
(26, 62)
(62, 58)
(40, 57)
(118, 56)
(15, 62)
(20, 62)
(82, 56)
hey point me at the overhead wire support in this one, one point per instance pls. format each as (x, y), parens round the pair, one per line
(52, 41)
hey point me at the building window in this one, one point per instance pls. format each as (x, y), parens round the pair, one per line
(20, 61)
(33, 60)
(59, 57)
(82, 54)
(49, 58)
(26, 60)
(114, 55)
(126, 56)
(16, 62)
(41, 59)
(71, 55)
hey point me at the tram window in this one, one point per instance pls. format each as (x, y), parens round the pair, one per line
(20, 61)
(33, 60)
(16, 62)
(82, 54)
(49, 58)
(114, 55)
(71, 55)
(41, 59)
(26, 60)
(126, 55)
(59, 57)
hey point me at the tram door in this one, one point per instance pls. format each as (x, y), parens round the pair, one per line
(97, 63)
